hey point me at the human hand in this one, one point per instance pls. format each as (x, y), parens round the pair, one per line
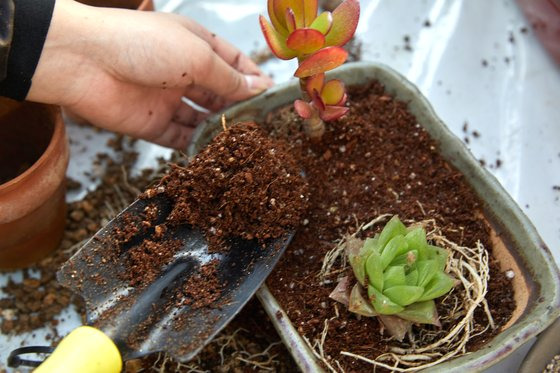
(126, 71)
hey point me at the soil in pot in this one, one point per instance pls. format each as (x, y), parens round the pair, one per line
(376, 160)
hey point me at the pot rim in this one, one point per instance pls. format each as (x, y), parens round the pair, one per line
(146, 5)
(56, 138)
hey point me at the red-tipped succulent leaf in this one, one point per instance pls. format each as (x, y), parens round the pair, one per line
(305, 40)
(333, 112)
(333, 92)
(276, 42)
(290, 20)
(303, 109)
(315, 83)
(278, 23)
(345, 21)
(323, 60)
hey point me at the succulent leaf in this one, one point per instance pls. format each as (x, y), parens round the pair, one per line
(290, 18)
(315, 83)
(426, 271)
(279, 9)
(358, 304)
(421, 313)
(370, 245)
(275, 41)
(407, 259)
(396, 326)
(333, 92)
(341, 292)
(404, 295)
(333, 112)
(345, 21)
(278, 23)
(323, 23)
(303, 109)
(416, 239)
(317, 101)
(374, 270)
(441, 256)
(393, 228)
(440, 284)
(394, 276)
(310, 8)
(412, 277)
(323, 60)
(381, 303)
(305, 40)
(397, 246)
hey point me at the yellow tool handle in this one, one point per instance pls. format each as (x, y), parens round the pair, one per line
(84, 350)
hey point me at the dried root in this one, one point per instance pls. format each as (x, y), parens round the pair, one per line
(425, 346)
(234, 352)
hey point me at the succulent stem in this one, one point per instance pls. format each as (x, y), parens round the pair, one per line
(314, 128)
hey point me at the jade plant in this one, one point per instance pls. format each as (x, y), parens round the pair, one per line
(398, 275)
(296, 31)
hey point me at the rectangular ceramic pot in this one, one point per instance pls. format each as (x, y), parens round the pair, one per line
(517, 245)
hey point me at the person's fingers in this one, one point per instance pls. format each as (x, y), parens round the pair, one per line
(205, 98)
(211, 72)
(176, 135)
(233, 56)
(188, 116)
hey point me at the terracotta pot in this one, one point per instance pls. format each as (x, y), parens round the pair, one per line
(126, 4)
(33, 161)
(517, 245)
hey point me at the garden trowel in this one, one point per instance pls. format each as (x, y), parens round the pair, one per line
(130, 322)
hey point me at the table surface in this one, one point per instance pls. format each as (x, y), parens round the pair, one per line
(478, 62)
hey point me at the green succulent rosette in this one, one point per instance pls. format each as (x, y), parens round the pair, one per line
(398, 273)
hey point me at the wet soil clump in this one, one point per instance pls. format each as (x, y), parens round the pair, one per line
(243, 184)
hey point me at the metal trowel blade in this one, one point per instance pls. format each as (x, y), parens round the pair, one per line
(145, 319)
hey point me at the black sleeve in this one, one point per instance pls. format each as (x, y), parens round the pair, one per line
(6, 27)
(31, 22)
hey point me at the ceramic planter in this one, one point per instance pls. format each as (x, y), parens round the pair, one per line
(543, 351)
(32, 204)
(517, 244)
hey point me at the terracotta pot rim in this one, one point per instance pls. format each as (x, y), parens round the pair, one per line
(146, 5)
(57, 136)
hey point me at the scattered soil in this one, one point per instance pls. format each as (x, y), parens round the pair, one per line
(375, 160)
(407, 46)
